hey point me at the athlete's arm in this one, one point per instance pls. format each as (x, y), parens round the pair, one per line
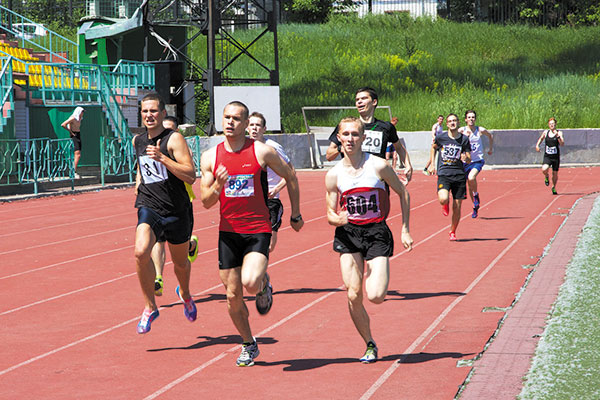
(466, 157)
(489, 135)
(281, 184)
(183, 165)
(333, 217)
(332, 151)
(270, 158)
(211, 182)
(67, 123)
(561, 139)
(389, 176)
(432, 167)
(542, 136)
(403, 155)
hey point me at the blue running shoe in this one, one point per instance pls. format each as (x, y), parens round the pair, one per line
(476, 201)
(189, 307)
(147, 317)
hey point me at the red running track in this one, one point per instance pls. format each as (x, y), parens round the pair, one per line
(70, 299)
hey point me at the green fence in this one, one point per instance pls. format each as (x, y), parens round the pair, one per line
(33, 161)
(118, 158)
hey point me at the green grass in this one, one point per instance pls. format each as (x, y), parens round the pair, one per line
(514, 76)
(566, 363)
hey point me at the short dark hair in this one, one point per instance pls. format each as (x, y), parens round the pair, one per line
(449, 115)
(172, 119)
(256, 114)
(239, 104)
(470, 111)
(157, 97)
(369, 90)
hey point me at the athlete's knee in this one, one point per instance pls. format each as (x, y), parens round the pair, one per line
(377, 297)
(355, 295)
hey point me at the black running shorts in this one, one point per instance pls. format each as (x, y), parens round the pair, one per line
(175, 229)
(553, 162)
(276, 212)
(371, 240)
(457, 185)
(233, 247)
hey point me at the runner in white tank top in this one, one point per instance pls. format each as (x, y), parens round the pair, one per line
(474, 133)
(357, 205)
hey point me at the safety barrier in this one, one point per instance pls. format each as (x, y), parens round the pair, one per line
(33, 161)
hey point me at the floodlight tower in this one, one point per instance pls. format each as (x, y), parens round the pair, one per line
(217, 20)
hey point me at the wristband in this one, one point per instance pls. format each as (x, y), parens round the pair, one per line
(296, 219)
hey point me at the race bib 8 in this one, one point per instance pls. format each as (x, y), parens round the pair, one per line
(240, 186)
(373, 142)
(152, 171)
(364, 205)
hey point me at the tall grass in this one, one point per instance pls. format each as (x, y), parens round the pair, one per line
(514, 76)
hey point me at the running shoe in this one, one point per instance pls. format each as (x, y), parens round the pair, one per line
(476, 201)
(475, 212)
(158, 286)
(248, 354)
(147, 317)
(453, 237)
(554, 190)
(546, 181)
(193, 254)
(370, 355)
(446, 209)
(264, 299)
(189, 307)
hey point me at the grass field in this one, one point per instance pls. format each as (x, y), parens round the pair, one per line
(566, 363)
(515, 76)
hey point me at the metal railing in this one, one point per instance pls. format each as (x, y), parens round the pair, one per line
(59, 47)
(24, 161)
(143, 71)
(6, 92)
(108, 80)
(117, 157)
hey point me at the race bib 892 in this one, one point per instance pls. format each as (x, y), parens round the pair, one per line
(240, 186)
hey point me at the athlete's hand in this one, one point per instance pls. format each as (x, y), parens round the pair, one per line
(221, 175)
(297, 225)
(537, 148)
(343, 215)
(408, 171)
(154, 151)
(431, 170)
(407, 240)
(490, 151)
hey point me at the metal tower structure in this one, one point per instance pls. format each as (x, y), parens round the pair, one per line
(217, 20)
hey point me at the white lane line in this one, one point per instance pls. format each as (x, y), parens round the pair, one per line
(236, 347)
(87, 338)
(385, 376)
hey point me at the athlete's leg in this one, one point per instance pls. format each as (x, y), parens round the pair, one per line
(554, 177)
(377, 279)
(456, 205)
(144, 241)
(273, 241)
(545, 168)
(76, 158)
(158, 257)
(352, 266)
(444, 198)
(472, 182)
(181, 267)
(253, 272)
(238, 312)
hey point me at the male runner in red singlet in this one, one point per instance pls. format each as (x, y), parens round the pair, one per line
(358, 184)
(234, 174)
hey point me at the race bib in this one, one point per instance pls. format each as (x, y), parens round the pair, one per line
(450, 154)
(152, 171)
(373, 142)
(240, 186)
(364, 205)
(551, 150)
